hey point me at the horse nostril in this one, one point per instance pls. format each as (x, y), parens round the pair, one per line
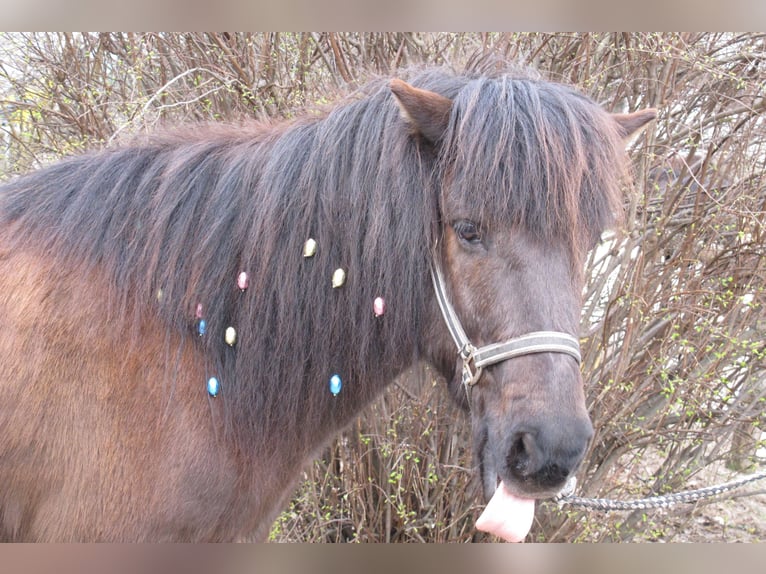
(521, 454)
(545, 457)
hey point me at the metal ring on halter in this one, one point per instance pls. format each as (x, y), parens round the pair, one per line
(470, 376)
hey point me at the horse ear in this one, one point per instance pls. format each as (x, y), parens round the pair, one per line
(426, 112)
(631, 125)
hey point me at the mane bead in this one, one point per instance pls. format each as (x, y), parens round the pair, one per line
(335, 385)
(338, 278)
(213, 387)
(243, 281)
(310, 248)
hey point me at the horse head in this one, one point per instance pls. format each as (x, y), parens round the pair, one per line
(528, 178)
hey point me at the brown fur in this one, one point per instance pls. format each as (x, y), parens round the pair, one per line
(150, 425)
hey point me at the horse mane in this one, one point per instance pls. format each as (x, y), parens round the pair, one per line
(181, 214)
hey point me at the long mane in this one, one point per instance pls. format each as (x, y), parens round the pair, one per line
(172, 221)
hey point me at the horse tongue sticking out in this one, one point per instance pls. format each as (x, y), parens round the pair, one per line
(507, 515)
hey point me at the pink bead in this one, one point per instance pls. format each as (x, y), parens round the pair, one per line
(198, 312)
(243, 281)
(379, 306)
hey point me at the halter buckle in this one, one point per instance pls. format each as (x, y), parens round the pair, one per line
(471, 372)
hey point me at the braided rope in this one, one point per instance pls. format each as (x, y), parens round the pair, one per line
(663, 501)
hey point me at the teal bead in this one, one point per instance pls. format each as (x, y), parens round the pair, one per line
(213, 387)
(335, 385)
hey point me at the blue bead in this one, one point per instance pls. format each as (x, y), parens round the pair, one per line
(201, 327)
(335, 385)
(213, 387)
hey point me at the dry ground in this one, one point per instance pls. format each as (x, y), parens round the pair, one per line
(741, 519)
(739, 516)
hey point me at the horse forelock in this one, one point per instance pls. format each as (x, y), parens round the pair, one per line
(534, 154)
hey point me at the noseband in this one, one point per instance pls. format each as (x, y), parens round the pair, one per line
(476, 358)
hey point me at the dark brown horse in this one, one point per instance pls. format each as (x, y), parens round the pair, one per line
(171, 356)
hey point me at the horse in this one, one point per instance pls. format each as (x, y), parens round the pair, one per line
(190, 315)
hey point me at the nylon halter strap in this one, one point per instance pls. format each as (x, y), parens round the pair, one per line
(475, 359)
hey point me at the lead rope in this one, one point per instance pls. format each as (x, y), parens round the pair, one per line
(567, 497)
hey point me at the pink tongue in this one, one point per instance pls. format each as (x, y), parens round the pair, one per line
(507, 516)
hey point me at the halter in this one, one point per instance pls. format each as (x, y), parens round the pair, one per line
(475, 359)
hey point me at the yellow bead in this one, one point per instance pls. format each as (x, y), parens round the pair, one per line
(230, 336)
(338, 278)
(309, 248)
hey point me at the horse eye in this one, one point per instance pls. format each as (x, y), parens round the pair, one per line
(467, 231)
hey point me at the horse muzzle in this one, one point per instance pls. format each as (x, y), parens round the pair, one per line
(534, 459)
